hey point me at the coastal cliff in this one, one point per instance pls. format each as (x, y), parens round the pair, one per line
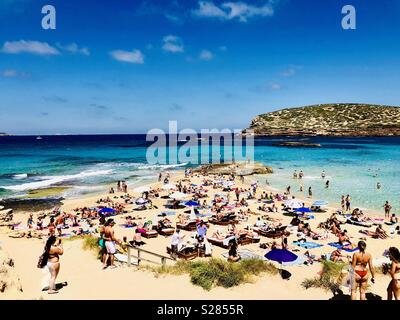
(330, 120)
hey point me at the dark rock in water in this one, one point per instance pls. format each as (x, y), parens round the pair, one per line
(296, 144)
(38, 204)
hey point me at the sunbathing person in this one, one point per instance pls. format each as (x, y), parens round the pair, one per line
(137, 238)
(337, 256)
(218, 235)
(380, 233)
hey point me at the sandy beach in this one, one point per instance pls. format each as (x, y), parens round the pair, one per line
(86, 279)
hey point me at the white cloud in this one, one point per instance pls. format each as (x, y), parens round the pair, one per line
(233, 10)
(134, 56)
(74, 49)
(13, 74)
(206, 55)
(33, 47)
(290, 71)
(172, 44)
(275, 86)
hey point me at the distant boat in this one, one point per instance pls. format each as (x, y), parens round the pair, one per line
(39, 138)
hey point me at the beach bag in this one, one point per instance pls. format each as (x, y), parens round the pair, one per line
(42, 262)
(285, 274)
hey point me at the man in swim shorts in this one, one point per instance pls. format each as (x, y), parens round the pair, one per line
(109, 243)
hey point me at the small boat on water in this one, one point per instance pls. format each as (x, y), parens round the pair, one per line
(39, 138)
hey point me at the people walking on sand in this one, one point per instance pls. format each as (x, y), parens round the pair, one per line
(159, 177)
(387, 208)
(288, 189)
(343, 203)
(109, 242)
(60, 223)
(309, 192)
(347, 200)
(394, 271)
(119, 186)
(53, 251)
(359, 263)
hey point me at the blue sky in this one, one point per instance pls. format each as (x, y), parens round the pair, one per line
(126, 66)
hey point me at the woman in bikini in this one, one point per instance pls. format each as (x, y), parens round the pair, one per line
(360, 261)
(53, 251)
(394, 271)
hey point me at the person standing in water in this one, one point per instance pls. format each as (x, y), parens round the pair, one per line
(378, 185)
(323, 174)
(327, 184)
(301, 174)
(310, 192)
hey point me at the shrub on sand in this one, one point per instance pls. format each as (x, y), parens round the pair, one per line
(216, 272)
(329, 278)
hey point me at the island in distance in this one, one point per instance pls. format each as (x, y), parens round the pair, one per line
(341, 119)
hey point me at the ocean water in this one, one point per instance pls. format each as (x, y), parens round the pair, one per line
(88, 163)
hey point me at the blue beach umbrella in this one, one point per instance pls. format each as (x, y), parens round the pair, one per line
(303, 209)
(192, 204)
(281, 255)
(320, 203)
(107, 210)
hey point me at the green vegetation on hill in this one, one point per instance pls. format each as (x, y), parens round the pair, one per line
(340, 119)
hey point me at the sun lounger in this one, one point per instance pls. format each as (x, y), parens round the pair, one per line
(277, 233)
(190, 226)
(185, 254)
(222, 222)
(150, 234)
(166, 231)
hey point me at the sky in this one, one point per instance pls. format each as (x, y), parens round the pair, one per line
(128, 66)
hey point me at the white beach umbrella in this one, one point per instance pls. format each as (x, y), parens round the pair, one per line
(293, 203)
(178, 196)
(141, 189)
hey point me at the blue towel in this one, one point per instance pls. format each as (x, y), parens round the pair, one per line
(339, 246)
(308, 245)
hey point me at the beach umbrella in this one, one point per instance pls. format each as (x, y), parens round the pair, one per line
(140, 201)
(141, 189)
(293, 203)
(281, 255)
(320, 203)
(178, 195)
(303, 209)
(191, 203)
(107, 210)
(169, 186)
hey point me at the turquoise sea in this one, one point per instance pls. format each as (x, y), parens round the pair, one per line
(88, 163)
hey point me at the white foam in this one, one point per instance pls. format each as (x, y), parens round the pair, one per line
(51, 180)
(162, 166)
(20, 176)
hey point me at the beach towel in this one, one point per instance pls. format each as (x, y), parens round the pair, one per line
(307, 245)
(168, 213)
(339, 246)
(244, 254)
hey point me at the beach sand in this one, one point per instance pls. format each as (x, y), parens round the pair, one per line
(86, 279)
